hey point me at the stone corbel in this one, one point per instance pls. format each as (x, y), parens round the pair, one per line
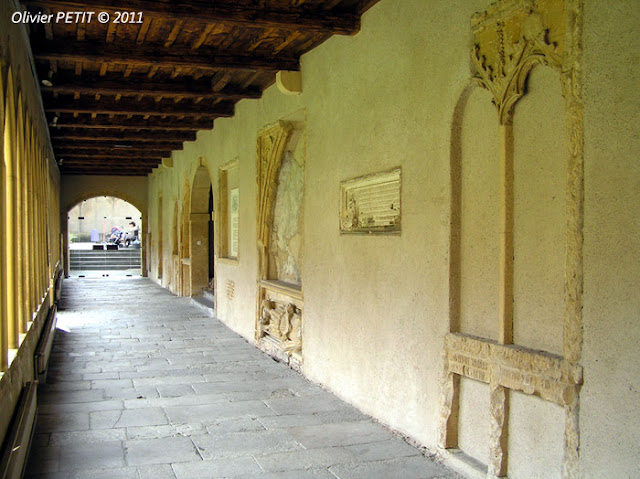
(289, 82)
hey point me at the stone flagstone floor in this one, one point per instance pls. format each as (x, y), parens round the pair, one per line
(141, 385)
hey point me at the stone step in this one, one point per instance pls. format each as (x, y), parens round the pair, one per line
(208, 294)
(207, 305)
(92, 254)
(116, 259)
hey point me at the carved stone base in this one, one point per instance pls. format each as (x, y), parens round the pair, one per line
(273, 348)
(279, 322)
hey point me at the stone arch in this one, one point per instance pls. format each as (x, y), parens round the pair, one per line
(200, 219)
(9, 327)
(19, 205)
(80, 197)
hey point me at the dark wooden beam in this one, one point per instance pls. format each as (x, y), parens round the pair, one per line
(115, 163)
(75, 157)
(233, 13)
(115, 153)
(135, 123)
(132, 107)
(108, 166)
(111, 135)
(119, 85)
(150, 55)
(113, 172)
(134, 145)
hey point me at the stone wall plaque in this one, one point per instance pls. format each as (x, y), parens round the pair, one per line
(371, 204)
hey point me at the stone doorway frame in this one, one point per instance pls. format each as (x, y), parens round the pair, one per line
(199, 218)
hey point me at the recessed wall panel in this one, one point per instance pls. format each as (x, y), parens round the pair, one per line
(536, 435)
(479, 218)
(473, 428)
(539, 213)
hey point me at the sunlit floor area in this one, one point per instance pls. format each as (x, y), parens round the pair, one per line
(142, 385)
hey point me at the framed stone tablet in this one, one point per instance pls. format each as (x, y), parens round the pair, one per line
(371, 204)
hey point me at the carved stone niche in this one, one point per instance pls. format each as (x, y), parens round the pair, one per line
(279, 306)
(279, 324)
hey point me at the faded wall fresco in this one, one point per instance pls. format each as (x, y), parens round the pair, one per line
(285, 246)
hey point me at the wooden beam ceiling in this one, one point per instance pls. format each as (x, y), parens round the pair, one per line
(236, 14)
(121, 96)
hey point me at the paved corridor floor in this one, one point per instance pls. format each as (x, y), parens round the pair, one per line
(142, 385)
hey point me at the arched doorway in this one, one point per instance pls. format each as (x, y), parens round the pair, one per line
(104, 238)
(201, 235)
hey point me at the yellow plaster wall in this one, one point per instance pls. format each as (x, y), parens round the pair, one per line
(610, 418)
(368, 109)
(376, 308)
(371, 109)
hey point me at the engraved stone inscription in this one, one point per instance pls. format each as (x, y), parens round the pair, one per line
(552, 378)
(371, 204)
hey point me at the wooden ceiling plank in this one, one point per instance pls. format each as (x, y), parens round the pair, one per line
(266, 35)
(230, 13)
(329, 4)
(111, 32)
(177, 26)
(287, 41)
(48, 27)
(145, 55)
(142, 33)
(249, 81)
(81, 31)
(221, 82)
(203, 36)
(152, 71)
